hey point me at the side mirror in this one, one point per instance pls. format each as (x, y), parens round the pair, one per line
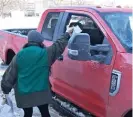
(100, 52)
(104, 48)
(79, 47)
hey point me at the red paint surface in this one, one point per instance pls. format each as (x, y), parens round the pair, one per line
(86, 83)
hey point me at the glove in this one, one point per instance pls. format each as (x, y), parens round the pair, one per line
(4, 89)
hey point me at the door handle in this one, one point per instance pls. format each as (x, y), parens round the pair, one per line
(60, 58)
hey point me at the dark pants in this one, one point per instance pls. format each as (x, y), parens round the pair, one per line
(43, 109)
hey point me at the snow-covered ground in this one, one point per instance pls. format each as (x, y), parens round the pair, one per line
(19, 112)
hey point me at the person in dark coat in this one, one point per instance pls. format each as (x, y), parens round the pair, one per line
(28, 73)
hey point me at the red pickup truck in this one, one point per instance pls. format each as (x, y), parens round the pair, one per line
(94, 74)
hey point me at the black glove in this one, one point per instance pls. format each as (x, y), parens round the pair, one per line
(5, 89)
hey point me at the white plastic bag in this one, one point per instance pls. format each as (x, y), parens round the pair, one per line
(6, 111)
(6, 107)
(77, 29)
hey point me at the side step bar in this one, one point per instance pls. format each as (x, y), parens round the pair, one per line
(68, 110)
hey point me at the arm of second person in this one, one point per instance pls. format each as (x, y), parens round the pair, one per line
(9, 78)
(57, 48)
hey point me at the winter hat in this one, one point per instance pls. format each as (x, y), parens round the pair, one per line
(34, 36)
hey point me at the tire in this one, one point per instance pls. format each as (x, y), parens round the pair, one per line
(129, 114)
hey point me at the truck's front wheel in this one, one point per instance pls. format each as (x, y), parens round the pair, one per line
(10, 55)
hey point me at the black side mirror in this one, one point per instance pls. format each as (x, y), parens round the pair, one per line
(79, 47)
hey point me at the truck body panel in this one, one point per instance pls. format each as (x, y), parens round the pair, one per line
(87, 84)
(123, 63)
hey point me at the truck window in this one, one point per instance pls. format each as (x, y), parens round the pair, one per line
(50, 25)
(88, 25)
(123, 32)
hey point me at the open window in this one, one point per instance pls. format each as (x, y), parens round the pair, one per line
(88, 26)
(97, 38)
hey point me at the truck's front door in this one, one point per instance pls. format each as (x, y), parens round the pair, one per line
(85, 83)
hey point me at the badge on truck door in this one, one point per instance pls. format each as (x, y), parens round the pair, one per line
(115, 82)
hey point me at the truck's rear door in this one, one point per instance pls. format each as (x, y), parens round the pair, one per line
(50, 24)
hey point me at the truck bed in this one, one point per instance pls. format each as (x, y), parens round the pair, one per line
(15, 38)
(23, 32)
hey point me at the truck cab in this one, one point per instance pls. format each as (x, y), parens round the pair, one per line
(103, 89)
(97, 79)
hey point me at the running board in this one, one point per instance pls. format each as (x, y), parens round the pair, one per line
(67, 109)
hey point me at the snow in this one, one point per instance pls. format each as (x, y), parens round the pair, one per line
(19, 112)
(19, 22)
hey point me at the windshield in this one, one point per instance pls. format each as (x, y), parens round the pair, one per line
(121, 23)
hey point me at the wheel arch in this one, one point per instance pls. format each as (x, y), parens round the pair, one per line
(128, 113)
(9, 55)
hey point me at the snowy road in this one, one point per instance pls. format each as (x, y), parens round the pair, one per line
(19, 112)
